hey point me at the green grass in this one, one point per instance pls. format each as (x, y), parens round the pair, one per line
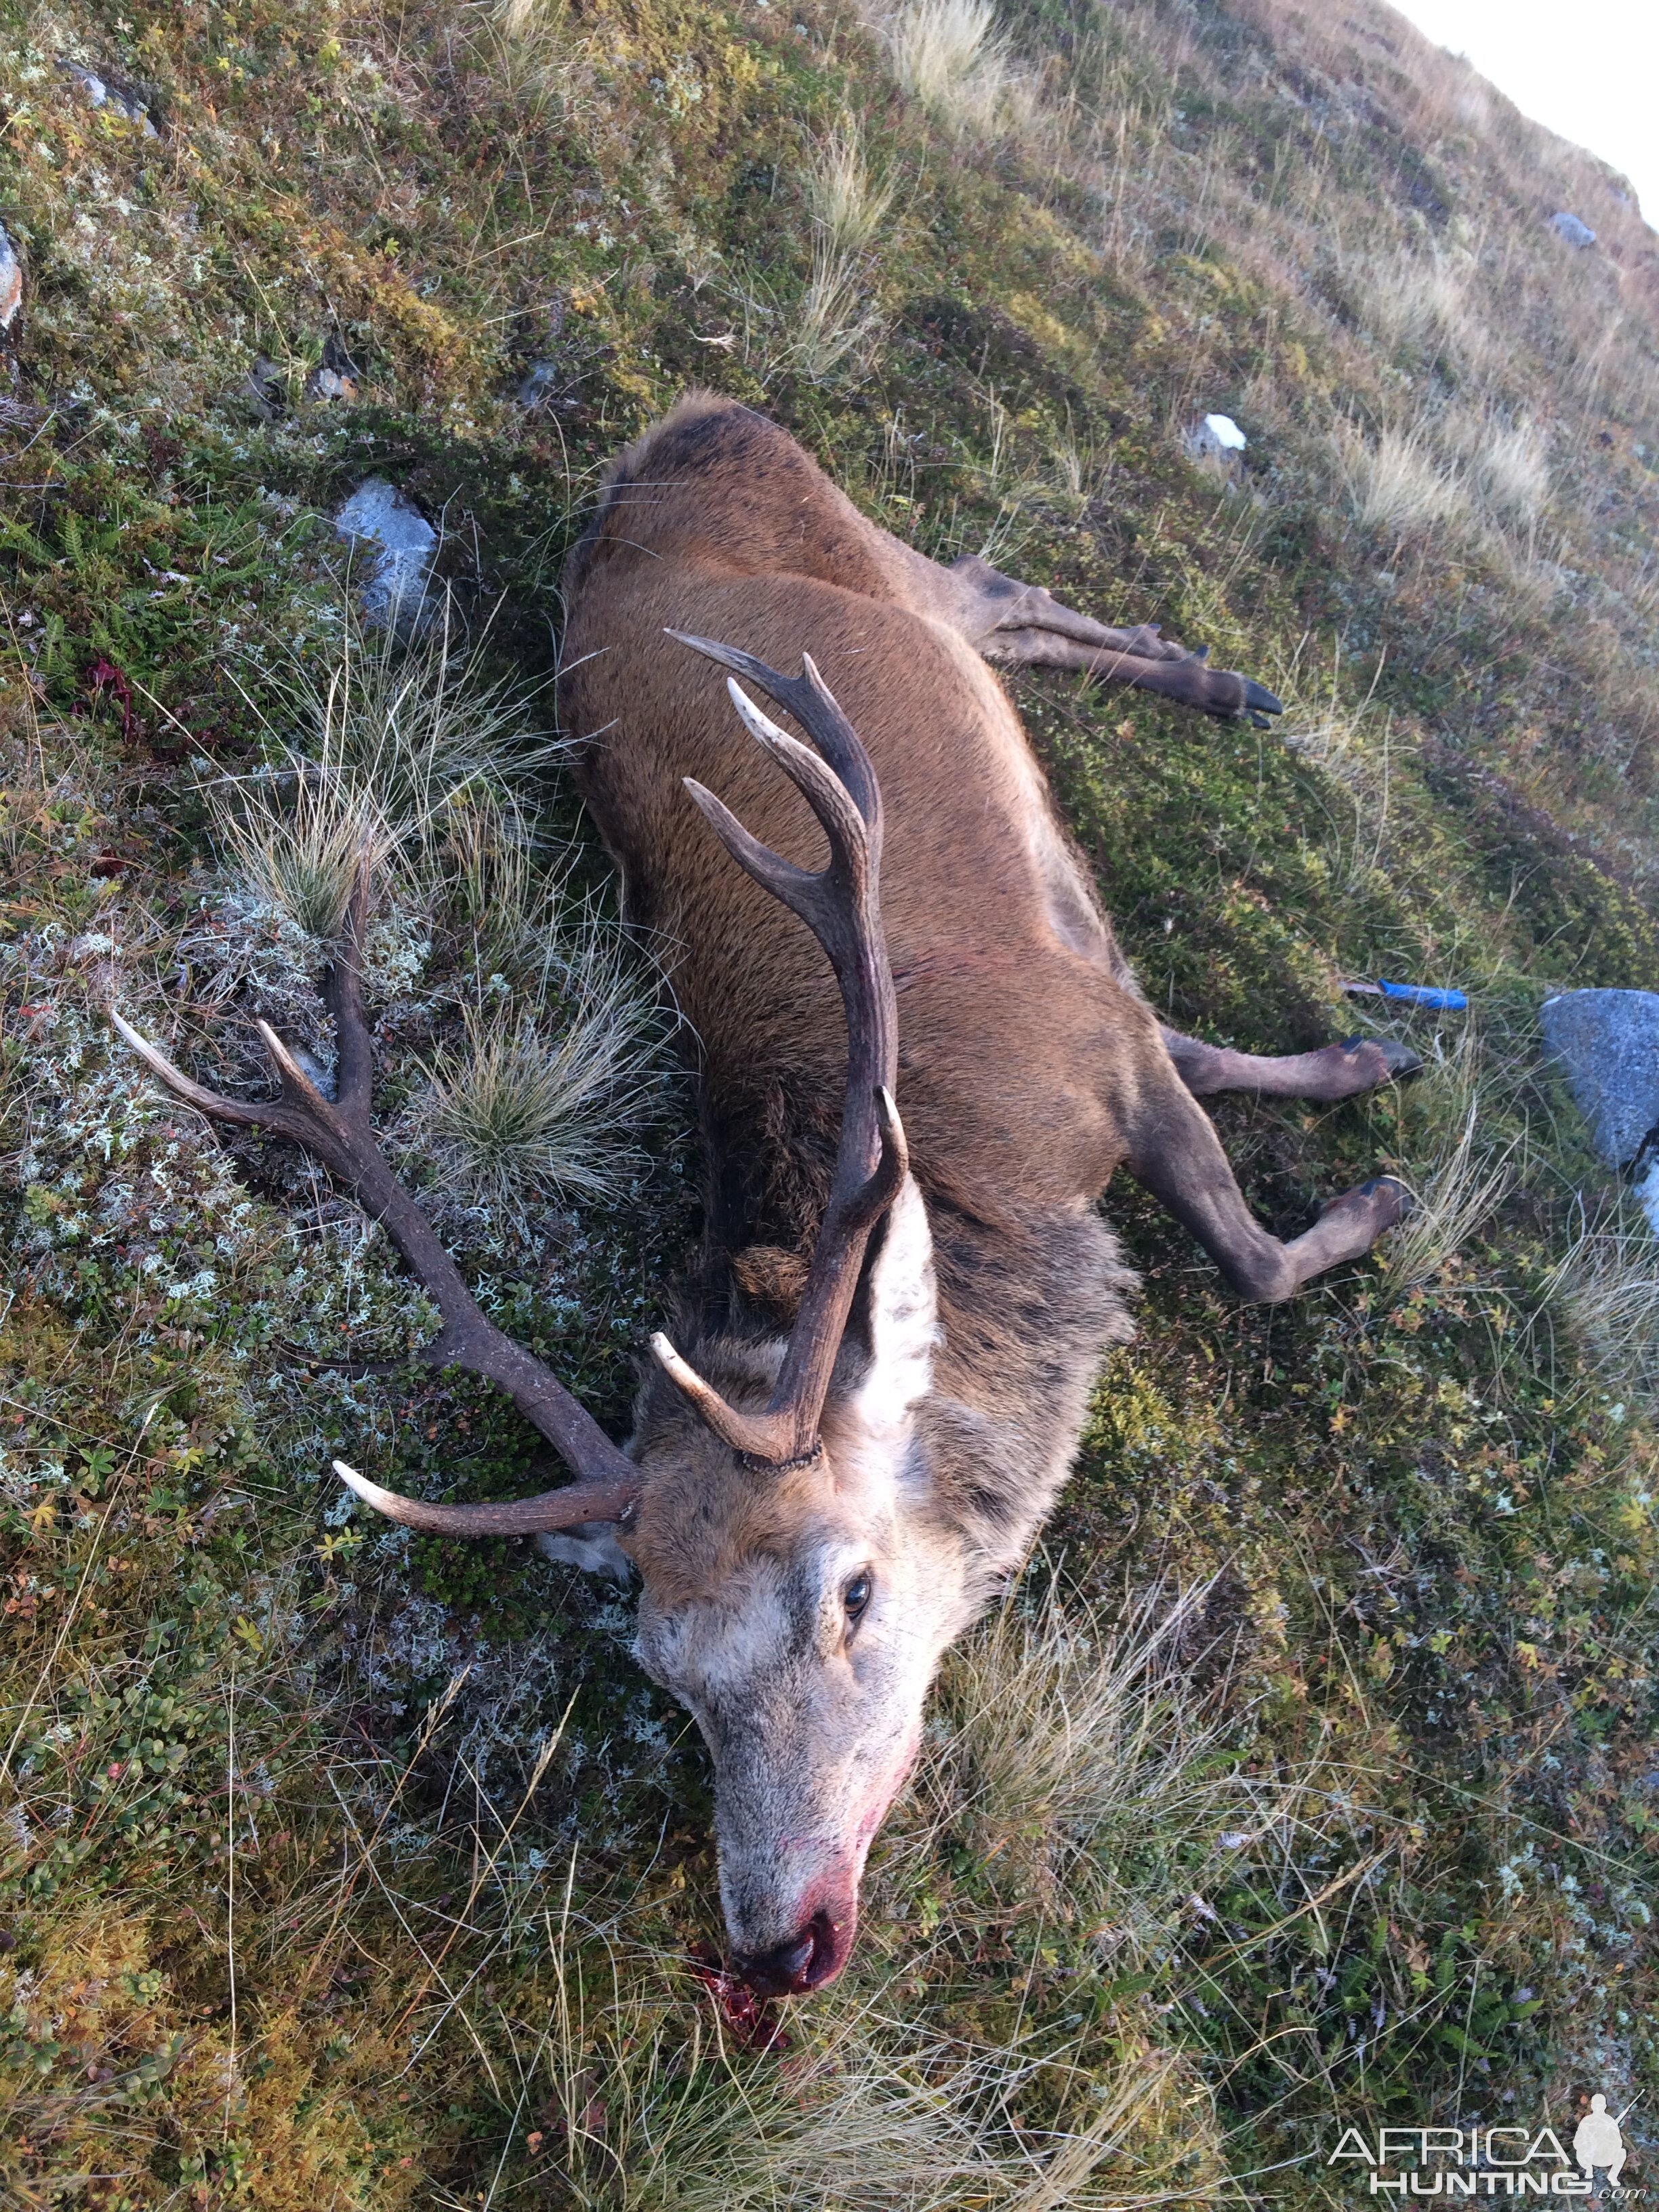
(341, 1869)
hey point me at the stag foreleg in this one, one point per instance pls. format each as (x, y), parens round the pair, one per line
(1334, 1071)
(1175, 1153)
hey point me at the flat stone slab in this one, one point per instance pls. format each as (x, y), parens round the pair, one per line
(1608, 1043)
(377, 514)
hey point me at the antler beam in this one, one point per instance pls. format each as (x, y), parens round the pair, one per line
(339, 1133)
(841, 904)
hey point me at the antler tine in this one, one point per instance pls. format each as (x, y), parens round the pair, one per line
(828, 901)
(809, 699)
(338, 1132)
(841, 904)
(515, 1516)
(786, 882)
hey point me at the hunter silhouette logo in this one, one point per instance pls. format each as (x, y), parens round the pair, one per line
(1596, 2141)
(1488, 2162)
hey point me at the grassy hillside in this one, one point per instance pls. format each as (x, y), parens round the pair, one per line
(1307, 1777)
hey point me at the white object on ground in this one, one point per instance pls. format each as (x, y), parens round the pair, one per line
(1647, 1194)
(1215, 437)
(11, 281)
(1570, 227)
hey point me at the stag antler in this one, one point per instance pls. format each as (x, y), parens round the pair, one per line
(339, 1133)
(841, 904)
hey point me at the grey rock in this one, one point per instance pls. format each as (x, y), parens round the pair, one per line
(537, 382)
(320, 1077)
(109, 92)
(1607, 1041)
(265, 389)
(1570, 227)
(377, 514)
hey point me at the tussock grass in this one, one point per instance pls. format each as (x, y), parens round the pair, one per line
(485, 864)
(1408, 301)
(1511, 467)
(1395, 483)
(1092, 1773)
(299, 837)
(847, 205)
(835, 322)
(538, 1106)
(1605, 1288)
(1452, 1202)
(410, 757)
(412, 728)
(424, 773)
(836, 325)
(535, 53)
(525, 19)
(652, 2104)
(952, 60)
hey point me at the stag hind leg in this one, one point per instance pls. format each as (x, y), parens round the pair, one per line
(1175, 1152)
(1334, 1071)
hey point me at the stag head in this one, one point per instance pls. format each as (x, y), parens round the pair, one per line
(800, 1577)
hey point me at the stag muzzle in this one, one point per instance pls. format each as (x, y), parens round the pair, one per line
(807, 1960)
(792, 1847)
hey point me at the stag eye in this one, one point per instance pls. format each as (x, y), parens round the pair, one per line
(856, 1595)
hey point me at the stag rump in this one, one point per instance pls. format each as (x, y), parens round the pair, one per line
(920, 1058)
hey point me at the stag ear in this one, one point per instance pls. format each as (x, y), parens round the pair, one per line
(904, 1314)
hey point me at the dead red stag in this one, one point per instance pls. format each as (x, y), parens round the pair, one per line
(898, 1321)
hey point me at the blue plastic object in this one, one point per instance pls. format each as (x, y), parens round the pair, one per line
(1419, 994)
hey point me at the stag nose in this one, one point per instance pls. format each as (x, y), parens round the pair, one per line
(810, 1959)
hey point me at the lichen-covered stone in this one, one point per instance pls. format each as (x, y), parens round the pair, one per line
(1608, 1043)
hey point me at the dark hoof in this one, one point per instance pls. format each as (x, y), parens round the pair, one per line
(1395, 1200)
(1258, 700)
(1384, 1201)
(1398, 1058)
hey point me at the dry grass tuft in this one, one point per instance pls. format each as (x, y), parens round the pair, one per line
(1395, 484)
(1464, 1178)
(948, 56)
(1411, 302)
(653, 2105)
(848, 207)
(1092, 1774)
(1605, 1289)
(525, 19)
(538, 1103)
(835, 324)
(383, 753)
(1511, 467)
(299, 835)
